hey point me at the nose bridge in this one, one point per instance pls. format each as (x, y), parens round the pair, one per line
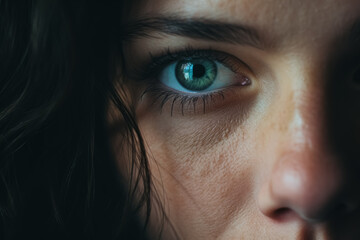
(304, 93)
(306, 125)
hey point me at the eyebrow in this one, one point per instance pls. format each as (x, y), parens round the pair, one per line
(209, 30)
(196, 28)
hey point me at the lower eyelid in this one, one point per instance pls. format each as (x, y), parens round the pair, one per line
(177, 104)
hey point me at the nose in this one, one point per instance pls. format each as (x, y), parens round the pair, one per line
(306, 179)
(303, 185)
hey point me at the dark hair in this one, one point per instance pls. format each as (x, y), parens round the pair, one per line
(58, 179)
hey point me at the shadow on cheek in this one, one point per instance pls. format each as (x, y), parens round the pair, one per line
(343, 109)
(343, 132)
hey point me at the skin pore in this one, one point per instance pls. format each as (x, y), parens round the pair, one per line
(274, 159)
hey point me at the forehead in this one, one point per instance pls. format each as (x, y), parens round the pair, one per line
(274, 19)
(260, 10)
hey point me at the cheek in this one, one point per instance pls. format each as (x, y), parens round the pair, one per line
(205, 169)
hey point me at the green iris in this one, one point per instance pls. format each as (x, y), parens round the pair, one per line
(196, 74)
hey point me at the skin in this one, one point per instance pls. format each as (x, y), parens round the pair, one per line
(273, 160)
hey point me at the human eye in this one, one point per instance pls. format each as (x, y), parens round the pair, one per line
(194, 80)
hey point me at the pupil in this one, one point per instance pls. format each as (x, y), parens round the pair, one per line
(198, 71)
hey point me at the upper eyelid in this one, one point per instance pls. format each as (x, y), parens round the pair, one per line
(151, 67)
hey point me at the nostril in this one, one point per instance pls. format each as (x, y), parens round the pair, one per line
(283, 214)
(281, 211)
(332, 211)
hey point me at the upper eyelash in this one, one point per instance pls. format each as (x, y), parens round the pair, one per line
(151, 69)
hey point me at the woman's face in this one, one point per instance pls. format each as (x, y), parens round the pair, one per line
(250, 110)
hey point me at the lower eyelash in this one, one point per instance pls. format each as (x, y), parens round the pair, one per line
(162, 96)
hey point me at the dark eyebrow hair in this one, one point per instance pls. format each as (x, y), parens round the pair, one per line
(197, 28)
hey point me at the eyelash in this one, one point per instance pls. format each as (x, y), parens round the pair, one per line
(149, 72)
(163, 96)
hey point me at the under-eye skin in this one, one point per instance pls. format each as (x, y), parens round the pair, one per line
(190, 77)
